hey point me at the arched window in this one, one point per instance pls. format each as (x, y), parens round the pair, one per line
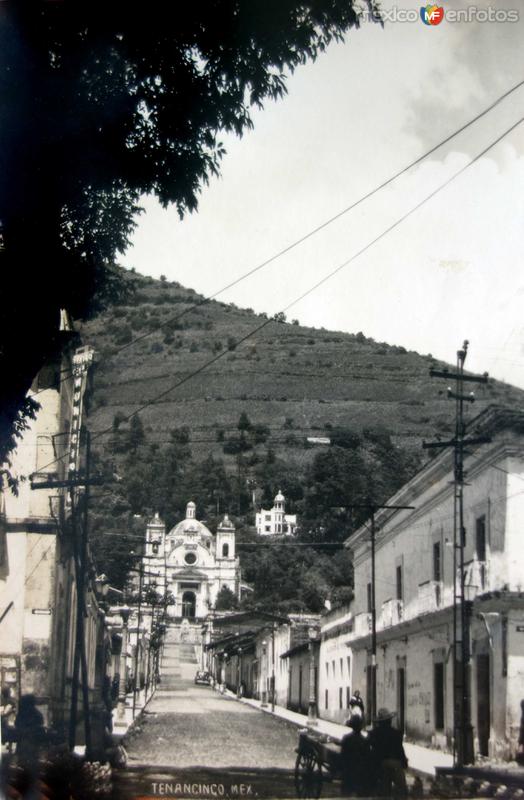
(225, 550)
(155, 548)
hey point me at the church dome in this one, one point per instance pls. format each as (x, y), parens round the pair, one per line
(190, 526)
(279, 497)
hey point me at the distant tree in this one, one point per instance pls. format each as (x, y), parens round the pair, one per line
(280, 317)
(102, 104)
(342, 437)
(180, 435)
(136, 434)
(260, 433)
(118, 419)
(244, 423)
(226, 600)
(235, 445)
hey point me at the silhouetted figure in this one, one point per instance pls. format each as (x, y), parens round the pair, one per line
(355, 761)
(520, 752)
(29, 727)
(388, 756)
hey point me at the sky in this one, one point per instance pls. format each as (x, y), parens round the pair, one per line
(363, 111)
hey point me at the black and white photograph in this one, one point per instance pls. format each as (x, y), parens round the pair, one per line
(261, 399)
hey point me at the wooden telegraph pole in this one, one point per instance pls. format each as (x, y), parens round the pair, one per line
(463, 751)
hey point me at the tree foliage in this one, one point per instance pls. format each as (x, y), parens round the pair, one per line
(103, 103)
(226, 600)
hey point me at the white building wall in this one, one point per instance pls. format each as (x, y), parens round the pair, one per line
(334, 679)
(515, 525)
(414, 631)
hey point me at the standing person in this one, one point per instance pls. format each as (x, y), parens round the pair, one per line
(29, 726)
(388, 756)
(356, 704)
(355, 761)
(520, 751)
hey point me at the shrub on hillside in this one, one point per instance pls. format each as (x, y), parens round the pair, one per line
(260, 433)
(235, 445)
(124, 335)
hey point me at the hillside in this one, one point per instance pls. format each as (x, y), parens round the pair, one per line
(235, 431)
(295, 380)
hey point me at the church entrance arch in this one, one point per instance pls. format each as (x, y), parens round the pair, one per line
(189, 605)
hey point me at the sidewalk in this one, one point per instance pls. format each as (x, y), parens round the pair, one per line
(423, 760)
(121, 726)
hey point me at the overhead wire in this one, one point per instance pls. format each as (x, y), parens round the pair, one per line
(322, 281)
(288, 248)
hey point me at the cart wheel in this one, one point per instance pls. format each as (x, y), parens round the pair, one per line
(308, 776)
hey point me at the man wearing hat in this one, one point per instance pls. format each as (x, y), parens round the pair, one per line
(388, 756)
(355, 760)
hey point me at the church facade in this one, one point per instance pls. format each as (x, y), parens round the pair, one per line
(191, 563)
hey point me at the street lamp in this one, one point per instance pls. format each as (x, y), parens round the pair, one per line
(312, 713)
(124, 612)
(263, 674)
(273, 668)
(239, 672)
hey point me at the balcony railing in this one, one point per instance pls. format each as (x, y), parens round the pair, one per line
(430, 597)
(392, 613)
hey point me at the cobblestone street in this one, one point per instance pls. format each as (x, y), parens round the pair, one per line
(192, 733)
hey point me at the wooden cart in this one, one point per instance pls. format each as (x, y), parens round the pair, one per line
(318, 760)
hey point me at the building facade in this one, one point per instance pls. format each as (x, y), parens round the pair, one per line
(38, 576)
(335, 685)
(416, 579)
(275, 521)
(191, 564)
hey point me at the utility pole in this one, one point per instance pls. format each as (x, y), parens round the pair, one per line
(74, 481)
(137, 677)
(463, 751)
(373, 508)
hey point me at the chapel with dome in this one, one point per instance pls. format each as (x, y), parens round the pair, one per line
(191, 563)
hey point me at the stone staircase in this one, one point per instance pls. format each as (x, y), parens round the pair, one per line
(179, 663)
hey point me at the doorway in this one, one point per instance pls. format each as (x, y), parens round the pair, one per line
(483, 703)
(438, 683)
(188, 605)
(401, 698)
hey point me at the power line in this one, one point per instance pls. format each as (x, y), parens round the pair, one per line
(314, 231)
(319, 283)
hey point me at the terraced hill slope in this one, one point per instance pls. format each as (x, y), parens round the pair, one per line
(294, 380)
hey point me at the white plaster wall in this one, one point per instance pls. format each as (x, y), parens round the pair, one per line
(12, 577)
(515, 525)
(515, 680)
(335, 674)
(35, 452)
(412, 546)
